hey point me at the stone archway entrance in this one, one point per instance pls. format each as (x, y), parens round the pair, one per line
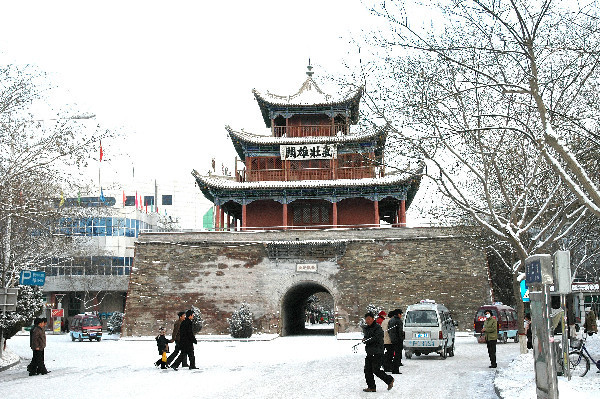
(293, 306)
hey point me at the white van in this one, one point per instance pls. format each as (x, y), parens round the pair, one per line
(428, 327)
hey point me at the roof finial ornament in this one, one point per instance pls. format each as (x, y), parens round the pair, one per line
(309, 67)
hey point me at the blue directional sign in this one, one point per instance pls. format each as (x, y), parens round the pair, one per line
(524, 291)
(32, 277)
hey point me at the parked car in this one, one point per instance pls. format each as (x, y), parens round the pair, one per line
(428, 328)
(85, 326)
(507, 322)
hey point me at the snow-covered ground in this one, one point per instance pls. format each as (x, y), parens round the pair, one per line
(517, 381)
(290, 367)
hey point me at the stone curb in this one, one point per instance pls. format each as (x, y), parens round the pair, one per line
(3, 368)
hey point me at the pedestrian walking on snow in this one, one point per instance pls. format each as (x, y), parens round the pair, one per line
(37, 342)
(590, 325)
(373, 339)
(186, 341)
(163, 347)
(396, 331)
(490, 329)
(175, 338)
(387, 345)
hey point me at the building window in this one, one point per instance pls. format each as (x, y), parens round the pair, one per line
(148, 200)
(167, 200)
(130, 200)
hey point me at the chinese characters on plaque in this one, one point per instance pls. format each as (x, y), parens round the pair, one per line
(308, 151)
(306, 267)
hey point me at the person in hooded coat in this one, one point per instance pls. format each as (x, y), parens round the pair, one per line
(175, 338)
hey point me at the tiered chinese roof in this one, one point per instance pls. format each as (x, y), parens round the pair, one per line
(309, 99)
(253, 144)
(221, 189)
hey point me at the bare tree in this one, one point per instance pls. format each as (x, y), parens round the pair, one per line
(39, 158)
(496, 100)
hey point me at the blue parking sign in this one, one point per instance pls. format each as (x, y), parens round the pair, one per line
(32, 277)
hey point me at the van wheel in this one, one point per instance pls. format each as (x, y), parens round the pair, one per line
(98, 339)
(417, 353)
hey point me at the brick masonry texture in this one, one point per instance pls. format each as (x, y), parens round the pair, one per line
(217, 271)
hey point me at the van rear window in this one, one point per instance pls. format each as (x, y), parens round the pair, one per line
(91, 322)
(426, 318)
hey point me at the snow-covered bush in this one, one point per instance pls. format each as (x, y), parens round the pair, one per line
(30, 302)
(197, 321)
(240, 322)
(370, 309)
(114, 322)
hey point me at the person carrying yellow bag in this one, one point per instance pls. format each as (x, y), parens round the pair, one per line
(163, 347)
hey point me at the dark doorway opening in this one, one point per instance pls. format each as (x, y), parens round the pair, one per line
(294, 311)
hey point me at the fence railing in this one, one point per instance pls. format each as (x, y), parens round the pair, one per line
(310, 130)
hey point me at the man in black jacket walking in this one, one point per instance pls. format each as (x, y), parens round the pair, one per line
(373, 339)
(175, 338)
(186, 341)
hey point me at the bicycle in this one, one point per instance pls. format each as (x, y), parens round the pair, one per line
(579, 358)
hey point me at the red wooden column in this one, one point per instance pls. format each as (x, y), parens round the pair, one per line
(217, 217)
(402, 214)
(335, 215)
(244, 217)
(376, 207)
(285, 216)
(222, 226)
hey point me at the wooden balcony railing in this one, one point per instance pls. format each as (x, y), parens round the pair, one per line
(309, 130)
(311, 174)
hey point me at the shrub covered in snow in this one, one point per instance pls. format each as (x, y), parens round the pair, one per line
(30, 302)
(114, 322)
(370, 309)
(197, 321)
(240, 322)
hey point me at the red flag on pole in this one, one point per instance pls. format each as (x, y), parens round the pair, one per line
(124, 198)
(136, 201)
(101, 152)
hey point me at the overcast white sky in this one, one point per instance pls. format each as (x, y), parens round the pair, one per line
(171, 75)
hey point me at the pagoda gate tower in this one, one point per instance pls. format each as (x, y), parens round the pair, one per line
(312, 171)
(315, 174)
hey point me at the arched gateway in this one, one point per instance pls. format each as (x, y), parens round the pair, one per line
(293, 309)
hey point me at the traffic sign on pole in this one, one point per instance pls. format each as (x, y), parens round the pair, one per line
(32, 277)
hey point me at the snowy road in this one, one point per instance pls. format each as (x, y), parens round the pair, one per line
(290, 367)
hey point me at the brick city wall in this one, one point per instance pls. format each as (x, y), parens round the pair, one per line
(216, 271)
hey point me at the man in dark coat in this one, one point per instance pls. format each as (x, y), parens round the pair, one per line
(186, 341)
(175, 338)
(396, 331)
(373, 339)
(37, 342)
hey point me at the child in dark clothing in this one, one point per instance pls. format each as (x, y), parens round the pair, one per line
(163, 347)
